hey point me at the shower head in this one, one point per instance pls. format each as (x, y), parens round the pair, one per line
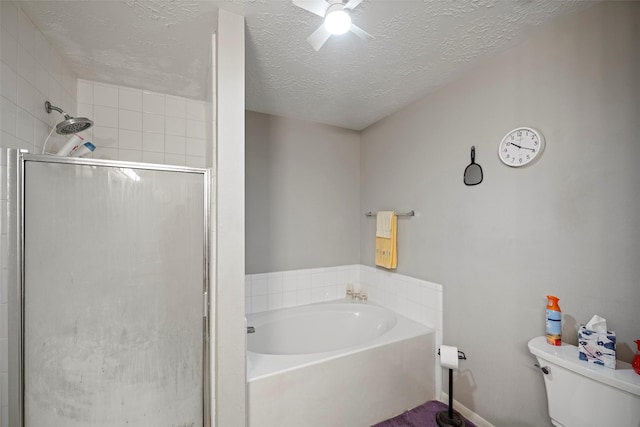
(70, 124)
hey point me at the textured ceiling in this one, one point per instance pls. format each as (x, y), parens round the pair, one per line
(418, 45)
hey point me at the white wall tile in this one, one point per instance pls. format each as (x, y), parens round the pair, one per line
(85, 110)
(175, 159)
(175, 126)
(130, 155)
(130, 99)
(106, 153)
(8, 48)
(259, 303)
(195, 161)
(259, 286)
(196, 147)
(175, 107)
(304, 296)
(275, 283)
(196, 129)
(330, 277)
(247, 286)
(105, 137)
(153, 142)
(105, 95)
(153, 157)
(290, 299)
(25, 126)
(130, 140)
(44, 55)
(317, 279)
(9, 14)
(175, 144)
(317, 294)
(9, 83)
(9, 116)
(152, 103)
(153, 123)
(196, 110)
(25, 94)
(275, 301)
(303, 279)
(289, 281)
(105, 116)
(131, 120)
(27, 33)
(85, 92)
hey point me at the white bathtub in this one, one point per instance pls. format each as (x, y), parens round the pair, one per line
(336, 364)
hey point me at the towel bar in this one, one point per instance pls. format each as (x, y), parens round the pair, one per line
(410, 213)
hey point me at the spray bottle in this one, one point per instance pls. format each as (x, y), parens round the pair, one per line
(554, 321)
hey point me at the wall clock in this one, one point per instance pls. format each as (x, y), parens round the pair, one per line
(521, 146)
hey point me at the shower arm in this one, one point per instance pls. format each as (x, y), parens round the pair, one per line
(49, 107)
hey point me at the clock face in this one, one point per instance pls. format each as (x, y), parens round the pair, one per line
(520, 146)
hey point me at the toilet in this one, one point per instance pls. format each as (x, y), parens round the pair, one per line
(580, 394)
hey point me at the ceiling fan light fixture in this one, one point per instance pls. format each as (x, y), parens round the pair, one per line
(337, 21)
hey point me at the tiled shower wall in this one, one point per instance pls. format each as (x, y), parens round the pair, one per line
(130, 124)
(31, 72)
(141, 126)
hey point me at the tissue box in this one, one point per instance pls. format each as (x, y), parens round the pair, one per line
(598, 348)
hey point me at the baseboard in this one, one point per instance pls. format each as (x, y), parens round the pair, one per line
(466, 412)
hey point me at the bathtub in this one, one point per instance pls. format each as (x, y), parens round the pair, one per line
(336, 364)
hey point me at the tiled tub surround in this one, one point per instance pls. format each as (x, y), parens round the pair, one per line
(415, 299)
(385, 371)
(141, 126)
(418, 300)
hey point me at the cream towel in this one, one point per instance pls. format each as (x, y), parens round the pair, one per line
(386, 247)
(383, 224)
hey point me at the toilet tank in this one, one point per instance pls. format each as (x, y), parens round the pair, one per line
(580, 394)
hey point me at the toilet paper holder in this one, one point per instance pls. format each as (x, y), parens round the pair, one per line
(461, 355)
(449, 418)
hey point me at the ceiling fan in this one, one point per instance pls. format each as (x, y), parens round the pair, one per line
(337, 19)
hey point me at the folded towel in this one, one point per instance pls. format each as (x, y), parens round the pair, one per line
(386, 240)
(383, 224)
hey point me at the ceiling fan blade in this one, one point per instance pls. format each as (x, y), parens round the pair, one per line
(319, 7)
(319, 37)
(352, 4)
(360, 32)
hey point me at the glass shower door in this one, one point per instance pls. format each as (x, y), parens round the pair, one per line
(114, 268)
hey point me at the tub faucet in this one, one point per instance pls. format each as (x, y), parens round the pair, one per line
(250, 329)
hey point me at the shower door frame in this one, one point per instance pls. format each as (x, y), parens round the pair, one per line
(16, 159)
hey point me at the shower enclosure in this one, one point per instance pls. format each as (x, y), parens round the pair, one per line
(108, 293)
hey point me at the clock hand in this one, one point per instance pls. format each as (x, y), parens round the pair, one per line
(515, 145)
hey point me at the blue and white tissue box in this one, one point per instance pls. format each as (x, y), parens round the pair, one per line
(598, 348)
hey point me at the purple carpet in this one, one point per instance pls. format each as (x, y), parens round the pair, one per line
(420, 416)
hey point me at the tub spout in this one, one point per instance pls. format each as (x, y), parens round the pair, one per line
(250, 329)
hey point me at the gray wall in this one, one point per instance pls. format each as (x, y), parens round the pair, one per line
(567, 225)
(302, 194)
